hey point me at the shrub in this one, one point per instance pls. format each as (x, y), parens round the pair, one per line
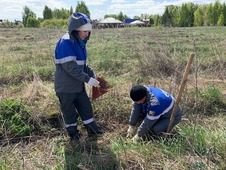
(210, 101)
(32, 22)
(14, 118)
(54, 23)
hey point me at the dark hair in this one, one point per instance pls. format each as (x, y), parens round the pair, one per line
(138, 92)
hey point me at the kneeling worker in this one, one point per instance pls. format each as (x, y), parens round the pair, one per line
(153, 108)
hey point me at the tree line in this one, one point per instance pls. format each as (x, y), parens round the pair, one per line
(187, 15)
(51, 18)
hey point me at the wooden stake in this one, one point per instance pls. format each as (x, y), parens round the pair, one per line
(182, 85)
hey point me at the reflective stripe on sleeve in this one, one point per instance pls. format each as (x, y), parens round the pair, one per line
(165, 111)
(70, 58)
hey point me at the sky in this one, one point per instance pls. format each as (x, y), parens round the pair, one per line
(12, 9)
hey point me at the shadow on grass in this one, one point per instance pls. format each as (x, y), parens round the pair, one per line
(89, 155)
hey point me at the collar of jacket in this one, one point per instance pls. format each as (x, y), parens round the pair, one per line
(81, 43)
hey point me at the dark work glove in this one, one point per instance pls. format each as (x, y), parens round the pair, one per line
(89, 71)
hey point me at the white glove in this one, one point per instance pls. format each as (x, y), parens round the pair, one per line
(130, 131)
(93, 82)
(136, 138)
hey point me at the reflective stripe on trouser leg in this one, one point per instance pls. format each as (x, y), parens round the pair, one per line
(84, 108)
(69, 112)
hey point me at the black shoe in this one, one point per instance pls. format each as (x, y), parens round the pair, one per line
(75, 136)
(75, 140)
(73, 132)
(98, 131)
(93, 129)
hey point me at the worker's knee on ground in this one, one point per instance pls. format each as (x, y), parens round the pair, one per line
(157, 130)
(178, 116)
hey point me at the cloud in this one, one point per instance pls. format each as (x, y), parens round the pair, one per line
(95, 3)
(136, 8)
(12, 9)
(150, 7)
(119, 1)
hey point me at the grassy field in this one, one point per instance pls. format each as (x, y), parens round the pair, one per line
(124, 57)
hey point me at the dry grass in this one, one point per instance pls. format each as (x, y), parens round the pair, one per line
(124, 57)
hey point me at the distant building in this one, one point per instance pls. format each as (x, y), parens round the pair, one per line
(110, 23)
(146, 21)
(127, 21)
(137, 23)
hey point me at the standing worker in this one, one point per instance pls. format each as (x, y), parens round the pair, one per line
(71, 74)
(153, 108)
